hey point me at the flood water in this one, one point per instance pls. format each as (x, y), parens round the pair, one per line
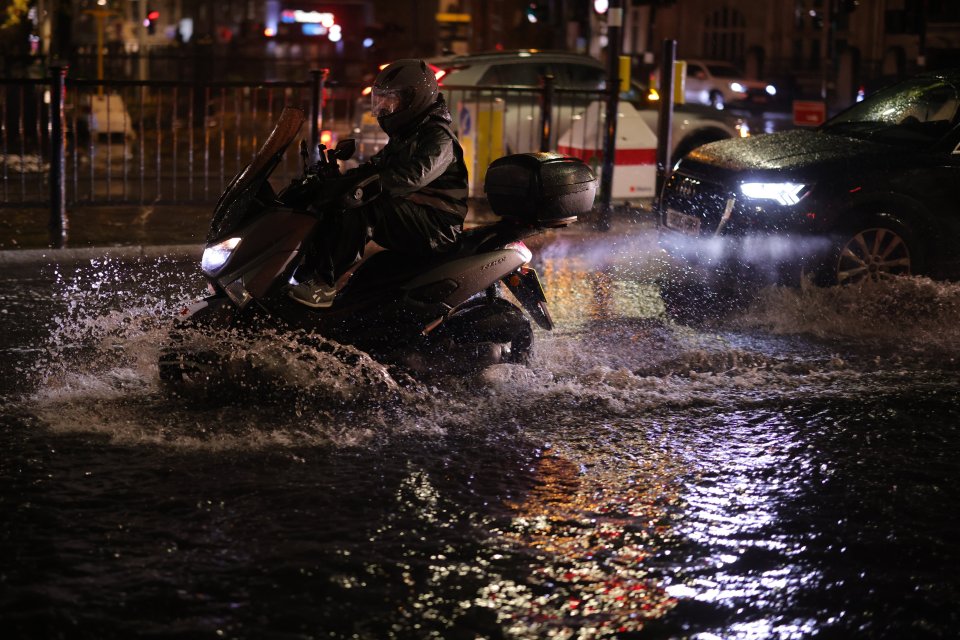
(789, 472)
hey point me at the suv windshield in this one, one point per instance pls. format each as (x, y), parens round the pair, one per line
(919, 110)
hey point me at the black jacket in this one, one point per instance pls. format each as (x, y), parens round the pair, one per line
(424, 164)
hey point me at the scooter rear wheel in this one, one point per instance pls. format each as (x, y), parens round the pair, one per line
(491, 320)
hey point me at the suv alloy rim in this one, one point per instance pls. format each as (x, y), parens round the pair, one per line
(873, 254)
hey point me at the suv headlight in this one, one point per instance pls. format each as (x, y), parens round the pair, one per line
(786, 193)
(214, 257)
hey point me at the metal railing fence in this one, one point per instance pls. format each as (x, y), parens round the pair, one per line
(150, 141)
(170, 142)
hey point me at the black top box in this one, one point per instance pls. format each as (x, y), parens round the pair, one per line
(542, 189)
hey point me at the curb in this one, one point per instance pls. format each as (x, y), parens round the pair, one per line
(86, 254)
(193, 252)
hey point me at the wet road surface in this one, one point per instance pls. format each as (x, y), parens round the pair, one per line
(789, 472)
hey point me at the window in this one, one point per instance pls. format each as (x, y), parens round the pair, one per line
(808, 31)
(584, 77)
(522, 74)
(724, 35)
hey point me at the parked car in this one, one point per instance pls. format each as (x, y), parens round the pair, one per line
(721, 84)
(515, 77)
(635, 170)
(871, 194)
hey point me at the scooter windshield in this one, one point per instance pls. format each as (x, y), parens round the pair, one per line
(246, 185)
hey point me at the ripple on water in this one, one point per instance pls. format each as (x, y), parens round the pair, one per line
(673, 461)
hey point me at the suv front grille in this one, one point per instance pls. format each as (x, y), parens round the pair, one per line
(699, 198)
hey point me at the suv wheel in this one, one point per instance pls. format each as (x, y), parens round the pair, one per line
(877, 249)
(716, 100)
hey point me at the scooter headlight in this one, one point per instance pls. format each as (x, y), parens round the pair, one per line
(215, 256)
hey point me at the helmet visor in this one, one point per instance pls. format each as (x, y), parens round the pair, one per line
(384, 102)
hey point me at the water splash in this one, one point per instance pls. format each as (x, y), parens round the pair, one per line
(101, 375)
(907, 315)
(626, 359)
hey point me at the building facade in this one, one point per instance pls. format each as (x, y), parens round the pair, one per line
(825, 48)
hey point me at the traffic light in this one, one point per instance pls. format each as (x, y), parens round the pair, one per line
(534, 13)
(151, 22)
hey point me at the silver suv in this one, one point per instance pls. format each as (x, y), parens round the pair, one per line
(720, 84)
(512, 80)
(523, 69)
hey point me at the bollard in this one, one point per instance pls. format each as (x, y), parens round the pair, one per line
(665, 120)
(58, 157)
(316, 124)
(547, 84)
(614, 46)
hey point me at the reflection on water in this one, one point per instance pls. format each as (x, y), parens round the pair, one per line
(593, 532)
(637, 479)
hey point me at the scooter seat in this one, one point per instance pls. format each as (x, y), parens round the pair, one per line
(388, 269)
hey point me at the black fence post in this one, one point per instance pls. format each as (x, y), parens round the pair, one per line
(319, 77)
(665, 120)
(58, 157)
(547, 95)
(614, 46)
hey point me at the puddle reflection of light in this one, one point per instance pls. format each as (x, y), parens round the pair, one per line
(590, 536)
(736, 505)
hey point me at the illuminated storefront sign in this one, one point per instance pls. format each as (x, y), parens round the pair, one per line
(290, 16)
(312, 23)
(285, 22)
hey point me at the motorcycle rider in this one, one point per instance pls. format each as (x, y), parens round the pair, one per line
(423, 177)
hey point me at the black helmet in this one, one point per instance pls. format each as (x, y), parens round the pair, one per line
(402, 93)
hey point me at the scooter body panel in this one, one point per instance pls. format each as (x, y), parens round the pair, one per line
(267, 250)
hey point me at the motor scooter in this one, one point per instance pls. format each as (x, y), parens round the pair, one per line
(441, 314)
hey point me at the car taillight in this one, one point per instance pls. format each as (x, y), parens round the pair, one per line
(525, 254)
(438, 73)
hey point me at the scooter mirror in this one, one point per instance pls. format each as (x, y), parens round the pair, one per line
(345, 149)
(304, 157)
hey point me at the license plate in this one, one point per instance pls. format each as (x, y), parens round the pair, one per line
(682, 222)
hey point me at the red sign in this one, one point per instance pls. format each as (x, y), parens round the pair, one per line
(809, 113)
